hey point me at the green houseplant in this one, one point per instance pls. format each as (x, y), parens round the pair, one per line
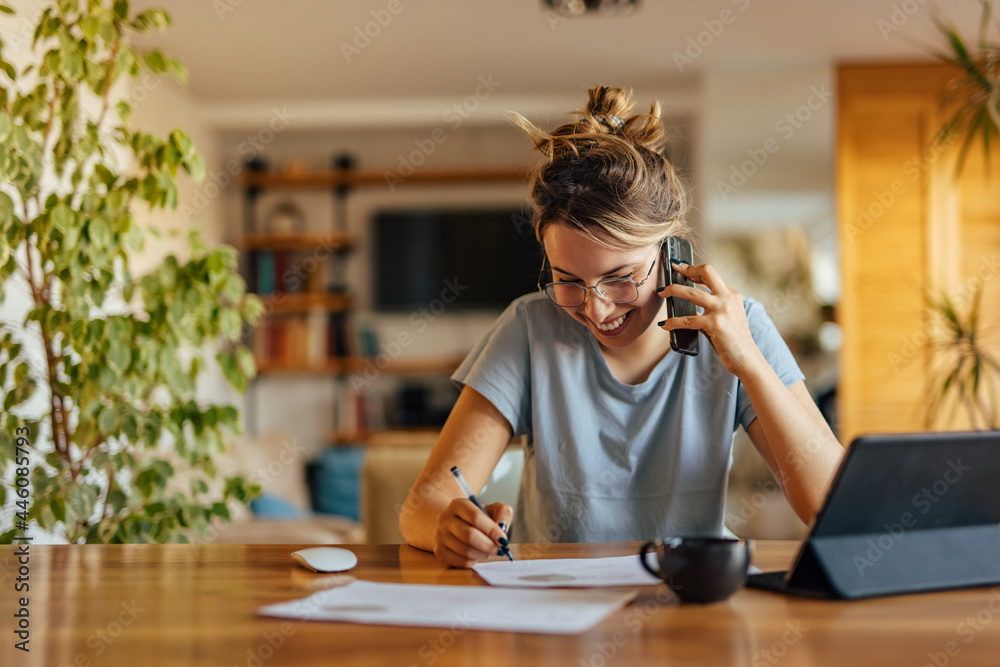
(965, 373)
(113, 358)
(972, 98)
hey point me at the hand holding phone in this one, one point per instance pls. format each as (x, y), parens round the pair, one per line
(679, 250)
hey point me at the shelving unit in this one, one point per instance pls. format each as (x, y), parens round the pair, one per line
(334, 242)
(307, 331)
(348, 366)
(356, 178)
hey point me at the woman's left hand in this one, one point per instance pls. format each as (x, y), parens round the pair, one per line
(724, 319)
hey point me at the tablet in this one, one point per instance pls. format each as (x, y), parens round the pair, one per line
(905, 513)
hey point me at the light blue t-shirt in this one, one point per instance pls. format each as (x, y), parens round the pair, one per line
(608, 461)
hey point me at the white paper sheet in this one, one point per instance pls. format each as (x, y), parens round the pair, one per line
(466, 607)
(569, 573)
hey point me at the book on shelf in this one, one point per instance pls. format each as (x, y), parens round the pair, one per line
(264, 274)
(365, 340)
(359, 410)
(338, 336)
(288, 272)
(316, 337)
(292, 340)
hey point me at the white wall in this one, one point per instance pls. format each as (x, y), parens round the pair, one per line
(159, 106)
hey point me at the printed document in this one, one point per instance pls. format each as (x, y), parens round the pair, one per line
(467, 607)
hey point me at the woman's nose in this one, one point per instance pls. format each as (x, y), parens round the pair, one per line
(596, 307)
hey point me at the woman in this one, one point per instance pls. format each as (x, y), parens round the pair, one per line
(627, 440)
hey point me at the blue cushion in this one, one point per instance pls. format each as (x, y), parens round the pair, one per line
(270, 506)
(335, 481)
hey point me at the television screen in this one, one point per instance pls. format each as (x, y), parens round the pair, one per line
(479, 259)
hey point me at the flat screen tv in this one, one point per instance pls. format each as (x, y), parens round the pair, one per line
(479, 258)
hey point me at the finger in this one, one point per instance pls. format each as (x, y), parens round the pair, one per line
(474, 516)
(465, 540)
(697, 322)
(472, 526)
(452, 550)
(693, 294)
(501, 513)
(704, 274)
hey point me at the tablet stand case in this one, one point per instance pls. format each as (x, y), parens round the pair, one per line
(906, 513)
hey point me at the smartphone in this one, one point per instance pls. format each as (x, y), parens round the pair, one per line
(679, 250)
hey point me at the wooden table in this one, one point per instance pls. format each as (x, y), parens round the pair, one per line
(141, 605)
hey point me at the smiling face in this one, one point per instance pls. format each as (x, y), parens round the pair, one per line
(576, 258)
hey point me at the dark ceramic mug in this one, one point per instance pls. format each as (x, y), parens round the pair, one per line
(699, 569)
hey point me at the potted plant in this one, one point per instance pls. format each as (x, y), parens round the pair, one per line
(972, 98)
(964, 372)
(113, 358)
(967, 374)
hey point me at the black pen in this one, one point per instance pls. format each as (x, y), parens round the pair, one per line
(467, 490)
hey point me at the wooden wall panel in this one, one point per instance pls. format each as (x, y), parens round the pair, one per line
(905, 225)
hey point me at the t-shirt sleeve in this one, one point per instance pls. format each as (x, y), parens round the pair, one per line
(774, 349)
(498, 367)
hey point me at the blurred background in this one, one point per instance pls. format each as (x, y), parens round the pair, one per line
(354, 149)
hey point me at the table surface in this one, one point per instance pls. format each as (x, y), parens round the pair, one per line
(196, 605)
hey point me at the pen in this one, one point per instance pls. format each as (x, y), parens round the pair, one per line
(467, 490)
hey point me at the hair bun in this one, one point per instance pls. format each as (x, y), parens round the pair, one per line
(604, 174)
(609, 110)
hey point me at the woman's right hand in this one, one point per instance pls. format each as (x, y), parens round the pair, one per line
(465, 536)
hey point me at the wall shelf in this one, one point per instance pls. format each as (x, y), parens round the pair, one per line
(358, 365)
(363, 436)
(308, 329)
(334, 178)
(330, 241)
(304, 302)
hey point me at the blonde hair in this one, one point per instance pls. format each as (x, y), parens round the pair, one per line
(605, 175)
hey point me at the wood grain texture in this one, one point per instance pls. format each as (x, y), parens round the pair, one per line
(195, 605)
(907, 225)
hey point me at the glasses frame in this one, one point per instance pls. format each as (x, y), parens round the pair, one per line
(544, 288)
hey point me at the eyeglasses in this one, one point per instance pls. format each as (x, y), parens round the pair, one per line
(615, 290)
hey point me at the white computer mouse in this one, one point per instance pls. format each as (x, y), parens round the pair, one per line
(325, 559)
